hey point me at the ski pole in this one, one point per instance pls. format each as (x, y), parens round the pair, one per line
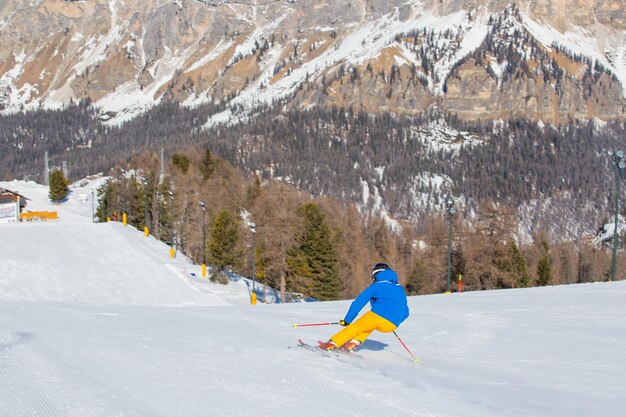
(415, 360)
(314, 324)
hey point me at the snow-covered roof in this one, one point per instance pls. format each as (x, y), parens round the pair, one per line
(5, 192)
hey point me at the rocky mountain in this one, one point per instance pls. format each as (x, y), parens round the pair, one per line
(393, 104)
(553, 60)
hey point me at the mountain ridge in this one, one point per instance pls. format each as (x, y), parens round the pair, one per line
(126, 56)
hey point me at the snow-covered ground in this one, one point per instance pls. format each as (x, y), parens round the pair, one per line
(77, 209)
(76, 260)
(97, 320)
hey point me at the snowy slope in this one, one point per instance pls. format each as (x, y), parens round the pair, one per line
(596, 42)
(75, 260)
(77, 209)
(553, 351)
(101, 263)
(539, 352)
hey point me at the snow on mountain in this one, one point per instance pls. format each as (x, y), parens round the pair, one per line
(96, 320)
(596, 42)
(127, 56)
(361, 44)
(438, 135)
(607, 233)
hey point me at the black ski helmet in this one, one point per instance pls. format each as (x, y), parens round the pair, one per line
(380, 266)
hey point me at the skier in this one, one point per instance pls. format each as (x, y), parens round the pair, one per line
(389, 309)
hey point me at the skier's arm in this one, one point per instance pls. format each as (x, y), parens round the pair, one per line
(359, 303)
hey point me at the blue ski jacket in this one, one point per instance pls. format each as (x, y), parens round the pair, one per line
(386, 296)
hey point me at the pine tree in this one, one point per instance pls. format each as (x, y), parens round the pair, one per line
(208, 164)
(146, 194)
(262, 263)
(223, 239)
(134, 202)
(161, 207)
(58, 186)
(544, 267)
(105, 196)
(181, 162)
(312, 260)
(254, 191)
(544, 273)
(517, 266)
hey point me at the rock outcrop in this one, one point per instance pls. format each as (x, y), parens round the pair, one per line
(554, 60)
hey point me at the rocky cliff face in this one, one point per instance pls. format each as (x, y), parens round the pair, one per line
(554, 60)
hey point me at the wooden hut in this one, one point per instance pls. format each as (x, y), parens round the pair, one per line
(11, 205)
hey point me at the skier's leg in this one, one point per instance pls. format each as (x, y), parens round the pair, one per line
(384, 325)
(362, 328)
(375, 322)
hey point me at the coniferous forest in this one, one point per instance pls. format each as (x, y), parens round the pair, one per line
(323, 247)
(321, 174)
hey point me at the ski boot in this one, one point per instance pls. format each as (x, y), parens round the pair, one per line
(351, 345)
(330, 345)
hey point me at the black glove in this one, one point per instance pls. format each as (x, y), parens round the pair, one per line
(343, 323)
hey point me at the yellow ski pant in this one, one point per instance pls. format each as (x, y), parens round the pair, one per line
(362, 328)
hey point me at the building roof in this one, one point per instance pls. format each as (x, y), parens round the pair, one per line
(5, 192)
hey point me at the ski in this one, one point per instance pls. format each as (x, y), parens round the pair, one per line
(337, 353)
(307, 346)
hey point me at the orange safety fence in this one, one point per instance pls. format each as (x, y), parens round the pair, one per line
(39, 215)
